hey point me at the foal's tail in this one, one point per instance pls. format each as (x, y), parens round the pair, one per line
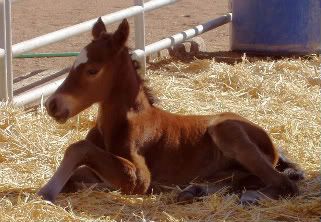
(291, 169)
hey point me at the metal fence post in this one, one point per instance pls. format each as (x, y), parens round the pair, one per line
(3, 73)
(139, 22)
(8, 49)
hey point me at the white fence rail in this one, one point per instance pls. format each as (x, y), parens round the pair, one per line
(80, 28)
(139, 54)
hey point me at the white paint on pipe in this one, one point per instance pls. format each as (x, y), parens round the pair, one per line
(137, 54)
(150, 5)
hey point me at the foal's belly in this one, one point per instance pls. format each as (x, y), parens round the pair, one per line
(186, 163)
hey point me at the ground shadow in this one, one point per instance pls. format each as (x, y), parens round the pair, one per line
(228, 57)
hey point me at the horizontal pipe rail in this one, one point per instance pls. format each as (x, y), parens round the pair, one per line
(74, 30)
(187, 34)
(183, 36)
(35, 94)
(154, 47)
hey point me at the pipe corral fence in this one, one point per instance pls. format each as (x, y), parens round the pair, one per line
(9, 51)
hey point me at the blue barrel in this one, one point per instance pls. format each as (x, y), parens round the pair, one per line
(276, 27)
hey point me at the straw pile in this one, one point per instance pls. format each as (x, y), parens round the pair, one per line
(280, 95)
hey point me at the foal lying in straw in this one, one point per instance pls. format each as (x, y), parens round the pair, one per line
(135, 145)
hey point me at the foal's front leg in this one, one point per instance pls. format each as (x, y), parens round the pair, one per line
(118, 171)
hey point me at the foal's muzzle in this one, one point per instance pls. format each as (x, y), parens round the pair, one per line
(57, 108)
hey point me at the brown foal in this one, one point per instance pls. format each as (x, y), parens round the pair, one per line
(135, 145)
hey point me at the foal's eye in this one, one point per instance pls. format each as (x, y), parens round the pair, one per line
(92, 72)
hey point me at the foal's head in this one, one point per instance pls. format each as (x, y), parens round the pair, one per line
(93, 74)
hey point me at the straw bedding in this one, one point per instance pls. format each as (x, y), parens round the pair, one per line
(280, 95)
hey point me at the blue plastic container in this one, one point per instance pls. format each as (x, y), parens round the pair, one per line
(276, 27)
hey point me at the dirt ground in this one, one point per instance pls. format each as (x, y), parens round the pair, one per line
(37, 17)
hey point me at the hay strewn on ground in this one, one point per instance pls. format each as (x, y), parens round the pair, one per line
(282, 96)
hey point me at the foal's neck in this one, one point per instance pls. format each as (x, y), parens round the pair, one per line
(128, 91)
(127, 96)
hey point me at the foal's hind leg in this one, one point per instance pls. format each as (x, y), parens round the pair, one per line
(233, 180)
(234, 143)
(120, 172)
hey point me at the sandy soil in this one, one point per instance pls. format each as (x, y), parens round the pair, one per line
(36, 17)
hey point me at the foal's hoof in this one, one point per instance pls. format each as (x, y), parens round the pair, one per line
(46, 196)
(294, 174)
(251, 197)
(190, 193)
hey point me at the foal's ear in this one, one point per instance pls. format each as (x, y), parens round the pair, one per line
(121, 34)
(98, 28)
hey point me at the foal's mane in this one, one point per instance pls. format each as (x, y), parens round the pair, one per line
(147, 90)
